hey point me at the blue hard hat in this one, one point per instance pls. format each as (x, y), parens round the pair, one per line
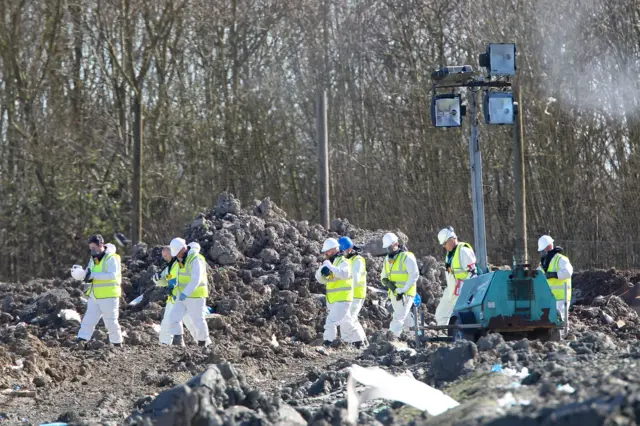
(345, 243)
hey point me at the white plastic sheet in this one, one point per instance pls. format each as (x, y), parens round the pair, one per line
(404, 388)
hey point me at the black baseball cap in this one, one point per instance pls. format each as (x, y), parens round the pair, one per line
(96, 239)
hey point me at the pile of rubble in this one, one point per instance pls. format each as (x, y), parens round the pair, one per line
(589, 285)
(263, 267)
(219, 395)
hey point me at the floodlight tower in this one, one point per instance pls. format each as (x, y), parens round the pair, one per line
(499, 108)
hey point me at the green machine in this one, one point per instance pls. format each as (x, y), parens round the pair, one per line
(516, 302)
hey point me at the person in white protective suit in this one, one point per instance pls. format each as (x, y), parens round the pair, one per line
(558, 271)
(335, 274)
(102, 278)
(460, 263)
(399, 275)
(359, 277)
(168, 278)
(192, 289)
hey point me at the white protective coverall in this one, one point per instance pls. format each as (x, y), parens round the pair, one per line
(449, 296)
(195, 308)
(164, 336)
(107, 309)
(402, 308)
(357, 266)
(565, 271)
(339, 312)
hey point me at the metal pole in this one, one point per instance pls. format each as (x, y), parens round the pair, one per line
(477, 194)
(415, 325)
(566, 309)
(323, 158)
(518, 177)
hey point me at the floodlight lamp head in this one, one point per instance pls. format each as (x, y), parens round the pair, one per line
(499, 108)
(447, 110)
(499, 60)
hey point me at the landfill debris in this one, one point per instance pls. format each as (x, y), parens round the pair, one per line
(274, 341)
(262, 267)
(396, 388)
(566, 388)
(69, 315)
(508, 400)
(137, 300)
(512, 372)
(20, 393)
(19, 364)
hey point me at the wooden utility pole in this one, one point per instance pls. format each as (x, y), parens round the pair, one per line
(323, 158)
(137, 169)
(321, 122)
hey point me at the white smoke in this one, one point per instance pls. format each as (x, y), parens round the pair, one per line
(587, 63)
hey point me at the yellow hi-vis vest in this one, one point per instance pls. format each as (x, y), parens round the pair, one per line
(105, 289)
(459, 271)
(184, 276)
(360, 282)
(172, 278)
(557, 285)
(396, 270)
(339, 290)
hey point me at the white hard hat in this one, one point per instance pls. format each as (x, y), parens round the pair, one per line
(330, 243)
(389, 239)
(544, 241)
(78, 272)
(445, 234)
(176, 245)
(194, 246)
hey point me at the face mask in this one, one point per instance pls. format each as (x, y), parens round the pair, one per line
(331, 258)
(95, 253)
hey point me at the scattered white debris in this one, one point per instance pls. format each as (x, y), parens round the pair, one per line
(566, 388)
(156, 327)
(17, 392)
(137, 300)
(402, 347)
(508, 400)
(512, 372)
(70, 315)
(274, 341)
(19, 364)
(402, 388)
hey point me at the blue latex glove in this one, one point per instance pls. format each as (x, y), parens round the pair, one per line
(182, 297)
(325, 271)
(172, 283)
